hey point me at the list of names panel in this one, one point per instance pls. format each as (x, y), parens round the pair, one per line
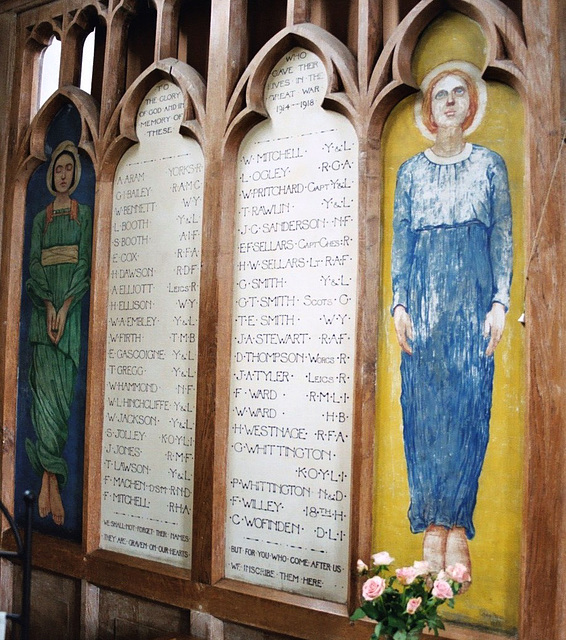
(293, 333)
(152, 336)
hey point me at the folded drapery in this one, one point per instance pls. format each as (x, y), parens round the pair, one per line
(60, 254)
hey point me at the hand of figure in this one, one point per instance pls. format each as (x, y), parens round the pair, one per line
(493, 326)
(403, 328)
(51, 321)
(61, 319)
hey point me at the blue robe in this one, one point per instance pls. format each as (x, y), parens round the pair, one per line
(451, 260)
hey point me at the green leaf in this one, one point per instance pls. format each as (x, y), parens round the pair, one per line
(395, 622)
(400, 635)
(358, 614)
(369, 608)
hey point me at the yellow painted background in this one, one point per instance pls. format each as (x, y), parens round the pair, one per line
(493, 599)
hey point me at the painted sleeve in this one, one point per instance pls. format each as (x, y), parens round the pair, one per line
(37, 285)
(501, 237)
(403, 239)
(80, 281)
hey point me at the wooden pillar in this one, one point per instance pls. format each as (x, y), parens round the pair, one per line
(370, 35)
(206, 626)
(544, 546)
(167, 36)
(89, 611)
(113, 83)
(298, 11)
(390, 20)
(8, 39)
(70, 69)
(228, 47)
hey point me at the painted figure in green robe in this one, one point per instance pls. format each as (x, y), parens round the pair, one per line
(60, 256)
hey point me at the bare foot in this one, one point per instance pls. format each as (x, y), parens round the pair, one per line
(457, 551)
(57, 510)
(43, 501)
(434, 546)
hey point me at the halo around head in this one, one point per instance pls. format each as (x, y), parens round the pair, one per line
(67, 146)
(456, 65)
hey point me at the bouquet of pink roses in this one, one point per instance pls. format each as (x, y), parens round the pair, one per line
(407, 601)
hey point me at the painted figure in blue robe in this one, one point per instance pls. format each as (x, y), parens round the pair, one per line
(451, 273)
(59, 268)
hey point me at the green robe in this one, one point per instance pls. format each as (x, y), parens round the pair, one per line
(54, 368)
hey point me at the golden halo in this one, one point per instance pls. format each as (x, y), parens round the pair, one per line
(456, 65)
(67, 146)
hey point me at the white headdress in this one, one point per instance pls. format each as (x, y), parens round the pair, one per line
(64, 147)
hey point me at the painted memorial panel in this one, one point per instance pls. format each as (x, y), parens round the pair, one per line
(151, 355)
(54, 329)
(293, 331)
(452, 296)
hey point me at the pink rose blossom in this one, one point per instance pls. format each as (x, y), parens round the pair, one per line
(422, 567)
(442, 590)
(406, 575)
(382, 558)
(373, 588)
(361, 566)
(413, 605)
(458, 572)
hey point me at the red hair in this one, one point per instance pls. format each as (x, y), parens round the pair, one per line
(49, 211)
(428, 119)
